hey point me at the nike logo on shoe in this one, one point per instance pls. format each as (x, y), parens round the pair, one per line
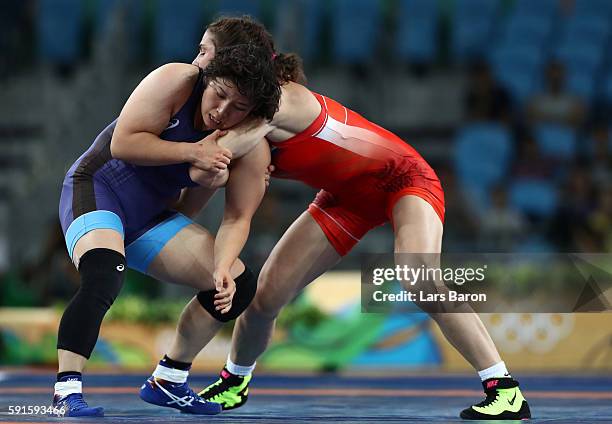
(511, 402)
(492, 383)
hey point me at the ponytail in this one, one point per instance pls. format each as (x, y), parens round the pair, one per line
(289, 68)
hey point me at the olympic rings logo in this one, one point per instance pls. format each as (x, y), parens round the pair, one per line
(538, 333)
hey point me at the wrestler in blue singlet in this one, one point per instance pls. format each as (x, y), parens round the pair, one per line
(102, 192)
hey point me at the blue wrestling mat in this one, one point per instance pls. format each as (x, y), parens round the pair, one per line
(327, 398)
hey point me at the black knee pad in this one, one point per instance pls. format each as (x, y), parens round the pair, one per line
(102, 273)
(246, 286)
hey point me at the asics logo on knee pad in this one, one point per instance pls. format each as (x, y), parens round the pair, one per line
(120, 267)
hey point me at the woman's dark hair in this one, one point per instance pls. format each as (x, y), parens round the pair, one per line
(251, 69)
(230, 31)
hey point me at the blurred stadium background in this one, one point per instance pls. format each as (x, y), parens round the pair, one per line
(509, 101)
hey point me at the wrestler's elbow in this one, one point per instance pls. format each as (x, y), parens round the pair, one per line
(208, 179)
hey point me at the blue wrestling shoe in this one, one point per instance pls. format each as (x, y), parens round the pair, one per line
(178, 396)
(73, 405)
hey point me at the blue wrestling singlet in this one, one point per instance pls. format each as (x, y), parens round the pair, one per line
(100, 192)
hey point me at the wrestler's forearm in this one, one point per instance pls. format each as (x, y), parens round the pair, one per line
(241, 139)
(230, 241)
(193, 200)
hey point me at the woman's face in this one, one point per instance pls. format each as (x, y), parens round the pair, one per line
(223, 106)
(206, 51)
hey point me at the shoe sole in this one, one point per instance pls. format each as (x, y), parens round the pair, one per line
(523, 414)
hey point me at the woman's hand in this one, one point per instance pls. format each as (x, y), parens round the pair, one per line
(269, 171)
(207, 155)
(226, 287)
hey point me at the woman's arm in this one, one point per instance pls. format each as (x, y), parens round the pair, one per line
(243, 193)
(243, 138)
(146, 114)
(193, 200)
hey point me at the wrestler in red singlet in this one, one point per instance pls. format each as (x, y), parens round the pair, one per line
(361, 168)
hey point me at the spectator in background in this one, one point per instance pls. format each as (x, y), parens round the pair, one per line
(461, 215)
(570, 230)
(50, 272)
(502, 226)
(267, 228)
(16, 40)
(485, 99)
(530, 163)
(555, 104)
(600, 220)
(4, 237)
(601, 157)
(586, 239)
